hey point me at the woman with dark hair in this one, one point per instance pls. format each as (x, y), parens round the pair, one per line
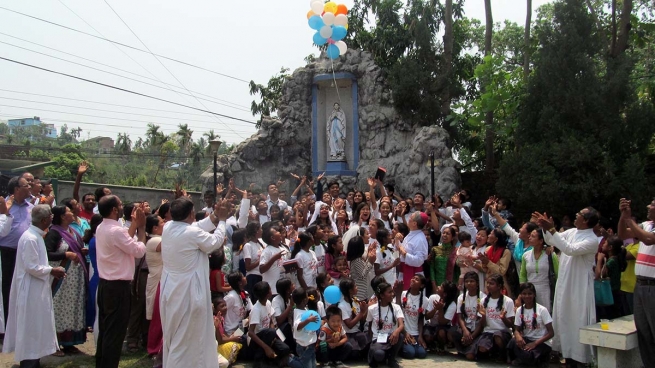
(361, 215)
(322, 216)
(439, 256)
(252, 251)
(79, 224)
(497, 258)
(361, 270)
(154, 229)
(164, 211)
(66, 249)
(535, 269)
(90, 240)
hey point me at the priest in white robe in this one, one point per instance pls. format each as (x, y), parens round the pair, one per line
(185, 302)
(31, 332)
(574, 305)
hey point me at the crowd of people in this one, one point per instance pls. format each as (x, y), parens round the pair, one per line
(246, 276)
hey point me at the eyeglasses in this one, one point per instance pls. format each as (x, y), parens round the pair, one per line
(25, 186)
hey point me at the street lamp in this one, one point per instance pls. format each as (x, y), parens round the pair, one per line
(215, 144)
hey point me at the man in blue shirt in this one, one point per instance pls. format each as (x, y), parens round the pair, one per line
(20, 212)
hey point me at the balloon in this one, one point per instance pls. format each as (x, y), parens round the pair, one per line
(341, 20)
(332, 294)
(330, 41)
(338, 33)
(326, 32)
(342, 47)
(331, 7)
(315, 22)
(342, 9)
(311, 326)
(310, 14)
(317, 6)
(328, 19)
(319, 40)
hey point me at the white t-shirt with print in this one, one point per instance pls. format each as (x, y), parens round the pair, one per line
(262, 316)
(253, 251)
(386, 314)
(543, 318)
(319, 251)
(236, 311)
(448, 314)
(411, 311)
(273, 274)
(493, 319)
(386, 261)
(278, 305)
(471, 308)
(347, 313)
(307, 261)
(303, 336)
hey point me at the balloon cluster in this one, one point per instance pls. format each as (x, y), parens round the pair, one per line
(331, 23)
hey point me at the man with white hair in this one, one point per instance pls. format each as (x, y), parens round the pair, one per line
(31, 331)
(414, 248)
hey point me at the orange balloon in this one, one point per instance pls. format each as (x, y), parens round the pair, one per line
(341, 9)
(310, 14)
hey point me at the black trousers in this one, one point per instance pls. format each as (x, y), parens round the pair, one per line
(8, 257)
(30, 363)
(645, 321)
(113, 316)
(137, 329)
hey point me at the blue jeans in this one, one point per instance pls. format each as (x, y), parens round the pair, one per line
(307, 355)
(414, 351)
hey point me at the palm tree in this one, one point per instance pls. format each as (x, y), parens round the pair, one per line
(123, 143)
(210, 137)
(184, 134)
(489, 116)
(196, 153)
(152, 134)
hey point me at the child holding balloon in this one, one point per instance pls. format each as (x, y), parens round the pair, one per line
(305, 325)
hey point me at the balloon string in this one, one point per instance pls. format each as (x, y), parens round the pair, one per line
(334, 77)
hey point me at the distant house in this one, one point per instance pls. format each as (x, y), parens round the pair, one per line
(100, 144)
(50, 130)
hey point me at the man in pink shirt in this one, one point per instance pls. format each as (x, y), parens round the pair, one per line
(116, 248)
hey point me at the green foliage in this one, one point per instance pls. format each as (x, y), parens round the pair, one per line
(67, 163)
(270, 95)
(582, 133)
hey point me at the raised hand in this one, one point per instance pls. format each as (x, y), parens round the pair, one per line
(3, 206)
(295, 176)
(138, 216)
(371, 182)
(84, 166)
(544, 222)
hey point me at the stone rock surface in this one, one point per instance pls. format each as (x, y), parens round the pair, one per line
(283, 144)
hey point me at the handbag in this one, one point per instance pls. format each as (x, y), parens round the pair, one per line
(603, 292)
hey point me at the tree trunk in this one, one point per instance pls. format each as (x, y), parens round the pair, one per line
(613, 44)
(526, 41)
(448, 57)
(624, 31)
(489, 116)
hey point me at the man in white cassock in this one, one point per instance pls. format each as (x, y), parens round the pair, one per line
(185, 302)
(574, 305)
(31, 332)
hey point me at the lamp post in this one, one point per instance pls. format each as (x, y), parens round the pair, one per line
(432, 173)
(215, 144)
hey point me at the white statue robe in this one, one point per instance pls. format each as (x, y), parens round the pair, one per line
(185, 302)
(574, 305)
(31, 332)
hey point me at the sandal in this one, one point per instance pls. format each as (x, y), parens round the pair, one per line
(58, 354)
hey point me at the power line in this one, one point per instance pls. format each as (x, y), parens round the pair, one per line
(117, 75)
(126, 90)
(112, 67)
(165, 67)
(124, 45)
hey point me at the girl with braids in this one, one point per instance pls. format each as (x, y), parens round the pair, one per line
(306, 259)
(467, 333)
(413, 304)
(533, 326)
(498, 311)
(273, 256)
(385, 260)
(353, 312)
(386, 215)
(314, 303)
(283, 310)
(323, 280)
(334, 249)
(237, 301)
(386, 325)
(320, 235)
(441, 309)
(252, 252)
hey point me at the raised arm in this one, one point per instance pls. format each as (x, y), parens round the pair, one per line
(646, 237)
(78, 179)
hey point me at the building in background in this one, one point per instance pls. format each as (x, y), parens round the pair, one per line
(47, 130)
(99, 144)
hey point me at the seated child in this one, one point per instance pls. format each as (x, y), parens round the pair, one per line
(305, 339)
(533, 326)
(386, 324)
(228, 346)
(441, 310)
(265, 344)
(333, 342)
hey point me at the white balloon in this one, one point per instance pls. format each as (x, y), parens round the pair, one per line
(340, 20)
(326, 31)
(342, 47)
(317, 6)
(328, 19)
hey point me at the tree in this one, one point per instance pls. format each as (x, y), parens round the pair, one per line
(184, 135)
(66, 163)
(270, 95)
(448, 39)
(123, 143)
(526, 41)
(210, 137)
(489, 116)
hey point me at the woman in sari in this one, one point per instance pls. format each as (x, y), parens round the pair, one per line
(66, 249)
(440, 255)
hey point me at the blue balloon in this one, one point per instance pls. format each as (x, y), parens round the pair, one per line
(339, 32)
(332, 294)
(319, 40)
(316, 22)
(333, 53)
(311, 326)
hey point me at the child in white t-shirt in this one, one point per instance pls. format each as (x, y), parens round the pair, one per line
(385, 259)
(498, 312)
(306, 258)
(264, 341)
(386, 323)
(440, 311)
(413, 304)
(470, 324)
(305, 339)
(237, 301)
(533, 327)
